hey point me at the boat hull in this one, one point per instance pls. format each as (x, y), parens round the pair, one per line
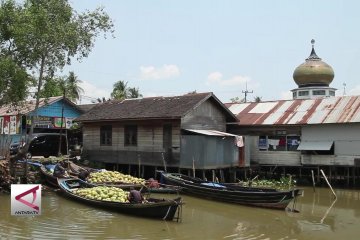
(154, 208)
(268, 198)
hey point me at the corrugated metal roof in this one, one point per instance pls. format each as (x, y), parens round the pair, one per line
(344, 109)
(318, 145)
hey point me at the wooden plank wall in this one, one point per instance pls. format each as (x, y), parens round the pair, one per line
(150, 143)
(205, 117)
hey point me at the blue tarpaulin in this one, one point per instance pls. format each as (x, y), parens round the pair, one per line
(30, 162)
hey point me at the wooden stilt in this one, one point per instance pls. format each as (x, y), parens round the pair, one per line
(203, 175)
(213, 175)
(129, 169)
(353, 175)
(348, 177)
(318, 174)
(222, 176)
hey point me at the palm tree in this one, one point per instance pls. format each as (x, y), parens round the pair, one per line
(101, 100)
(120, 91)
(134, 93)
(237, 100)
(72, 87)
(257, 99)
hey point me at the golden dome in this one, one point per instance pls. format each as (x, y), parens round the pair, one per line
(313, 72)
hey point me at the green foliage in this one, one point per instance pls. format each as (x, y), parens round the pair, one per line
(134, 93)
(281, 184)
(14, 82)
(237, 100)
(257, 99)
(68, 86)
(121, 91)
(42, 36)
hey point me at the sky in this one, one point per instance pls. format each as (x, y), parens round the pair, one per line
(173, 47)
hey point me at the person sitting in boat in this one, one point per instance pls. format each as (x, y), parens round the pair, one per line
(135, 196)
(152, 183)
(83, 174)
(60, 170)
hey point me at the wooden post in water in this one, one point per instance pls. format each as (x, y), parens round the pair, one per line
(322, 172)
(164, 162)
(313, 179)
(318, 174)
(193, 167)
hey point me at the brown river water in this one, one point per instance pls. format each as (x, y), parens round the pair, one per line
(319, 217)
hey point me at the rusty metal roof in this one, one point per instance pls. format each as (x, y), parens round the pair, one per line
(344, 109)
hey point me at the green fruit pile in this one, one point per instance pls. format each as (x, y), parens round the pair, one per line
(102, 193)
(113, 177)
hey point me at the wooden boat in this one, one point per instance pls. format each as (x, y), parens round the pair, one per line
(259, 197)
(47, 171)
(152, 208)
(162, 188)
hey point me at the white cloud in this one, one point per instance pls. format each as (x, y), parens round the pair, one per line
(92, 92)
(164, 72)
(216, 78)
(354, 91)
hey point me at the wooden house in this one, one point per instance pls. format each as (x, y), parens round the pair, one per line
(187, 131)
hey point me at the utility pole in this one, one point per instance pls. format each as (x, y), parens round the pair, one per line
(246, 92)
(344, 85)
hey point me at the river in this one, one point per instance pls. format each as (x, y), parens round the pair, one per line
(319, 217)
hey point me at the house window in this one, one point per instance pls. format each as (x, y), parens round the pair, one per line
(294, 94)
(318, 92)
(332, 93)
(106, 135)
(130, 135)
(303, 93)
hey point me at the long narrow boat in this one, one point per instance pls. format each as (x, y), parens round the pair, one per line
(151, 208)
(162, 188)
(47, 172)
(259, 197)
